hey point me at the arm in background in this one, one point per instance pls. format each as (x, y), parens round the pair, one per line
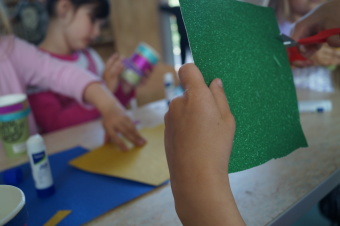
(38, 69)
(321, 18)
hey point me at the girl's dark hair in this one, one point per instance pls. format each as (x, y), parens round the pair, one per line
(101, 10)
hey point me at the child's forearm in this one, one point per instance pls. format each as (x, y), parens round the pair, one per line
(198, 142)
(206, 200)
(99, 96)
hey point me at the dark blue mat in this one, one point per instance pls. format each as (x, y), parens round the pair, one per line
(87, 195)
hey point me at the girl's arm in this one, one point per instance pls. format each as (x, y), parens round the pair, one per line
(36, 68)
(39, 69)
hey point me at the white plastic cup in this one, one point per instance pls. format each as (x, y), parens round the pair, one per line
(12, 103)
(12, 206)
(14, 128)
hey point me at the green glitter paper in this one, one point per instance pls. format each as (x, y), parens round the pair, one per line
(239, 43)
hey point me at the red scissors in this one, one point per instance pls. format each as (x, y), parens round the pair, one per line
(292, 45)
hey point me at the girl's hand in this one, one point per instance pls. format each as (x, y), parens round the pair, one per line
(199, 127)
(115, 120)
(117, 123)
(113, 68)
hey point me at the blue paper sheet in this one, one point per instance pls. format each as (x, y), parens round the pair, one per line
(87, 195)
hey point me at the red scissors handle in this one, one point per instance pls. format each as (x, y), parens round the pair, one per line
(320, 37)
(294, 53)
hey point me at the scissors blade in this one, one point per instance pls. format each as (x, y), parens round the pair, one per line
(288, 41)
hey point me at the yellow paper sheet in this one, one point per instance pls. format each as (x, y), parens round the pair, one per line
(59, 216)
(145, 164)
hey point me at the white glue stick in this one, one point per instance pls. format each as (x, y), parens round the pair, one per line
(40, 166)
(169, 87)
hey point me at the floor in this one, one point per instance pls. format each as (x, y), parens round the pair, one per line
(312, 218)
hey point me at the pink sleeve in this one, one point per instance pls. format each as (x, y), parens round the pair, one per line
(123, 97)
(53, 111)
(39, 69)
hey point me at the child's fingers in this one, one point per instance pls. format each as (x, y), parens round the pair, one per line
(114, 69)
(190, 76)
(118, 67)
(117, 140)
(112, 60)
(130, 132)
(134, 138)
(113, 57)
(308, 50)
(216, 88)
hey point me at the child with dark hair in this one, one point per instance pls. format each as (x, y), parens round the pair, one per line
(22, 65)
(73, 25)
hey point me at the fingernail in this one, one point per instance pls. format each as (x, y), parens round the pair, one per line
(302, 49)
(219, 82)
(141, 142)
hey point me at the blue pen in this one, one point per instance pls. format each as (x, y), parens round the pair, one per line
(319, 106)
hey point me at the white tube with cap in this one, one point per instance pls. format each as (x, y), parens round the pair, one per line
(40, 166)
(315, 106)
(169, 86)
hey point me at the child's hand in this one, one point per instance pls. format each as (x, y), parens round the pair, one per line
(115, 120)
(199, 132)
(326, 56)
(199, 128)
(113, 68)
(116, 123)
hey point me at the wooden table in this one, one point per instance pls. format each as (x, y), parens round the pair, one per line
(276, 193)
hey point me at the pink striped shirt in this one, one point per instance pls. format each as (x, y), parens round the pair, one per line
(22, 65)
(54, 111)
